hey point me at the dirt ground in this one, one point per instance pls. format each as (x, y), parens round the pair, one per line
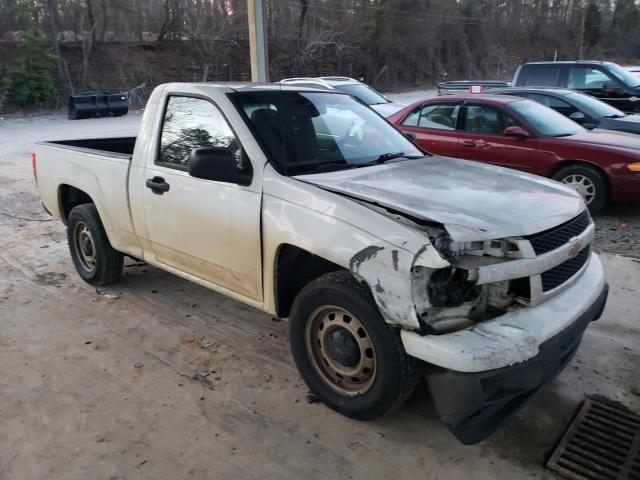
(158, 378)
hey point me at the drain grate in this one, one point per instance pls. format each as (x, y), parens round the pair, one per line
(602, 443)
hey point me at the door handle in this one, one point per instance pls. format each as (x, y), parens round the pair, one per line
(157, 185)
(468, 143)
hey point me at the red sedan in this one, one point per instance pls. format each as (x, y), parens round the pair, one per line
(518, 133)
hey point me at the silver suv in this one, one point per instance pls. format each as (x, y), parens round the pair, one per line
(362, 91)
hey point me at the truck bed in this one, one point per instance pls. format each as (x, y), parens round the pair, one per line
(120, 146)
(99, 168)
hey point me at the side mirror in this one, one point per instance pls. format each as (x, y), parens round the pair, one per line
(219, 164)
(516, 131)
(578, 117)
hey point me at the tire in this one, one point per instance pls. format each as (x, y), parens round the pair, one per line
(585, 179)
(93, 256)
(392, 374)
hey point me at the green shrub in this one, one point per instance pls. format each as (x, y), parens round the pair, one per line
(29, 81)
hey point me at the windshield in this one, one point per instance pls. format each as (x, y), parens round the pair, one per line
(310, 132)
(544, 120)
(367, 94)
(593, 106)
(625, 76)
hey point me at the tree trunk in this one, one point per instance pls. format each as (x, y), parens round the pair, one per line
(304, 6)
(51, 14)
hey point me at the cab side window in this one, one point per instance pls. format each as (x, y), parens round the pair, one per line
(554, 103)
(486, 119)
(189, 123)
(585, 78)
(438, 117)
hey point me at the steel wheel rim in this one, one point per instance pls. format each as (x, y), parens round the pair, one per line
(326, 326)
(583, 185)
(85, 247)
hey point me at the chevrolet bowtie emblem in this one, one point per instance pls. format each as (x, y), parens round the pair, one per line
(575, 248)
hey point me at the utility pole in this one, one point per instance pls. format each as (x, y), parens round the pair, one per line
(582, 27)
(257, 41)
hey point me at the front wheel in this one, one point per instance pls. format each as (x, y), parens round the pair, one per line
(345, 352)
(93, 256)
(588, 182)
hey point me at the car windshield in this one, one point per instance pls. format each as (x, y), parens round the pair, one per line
(625, 76)
(594, 106)
(311, 132)
(367, 94)
(544, 120)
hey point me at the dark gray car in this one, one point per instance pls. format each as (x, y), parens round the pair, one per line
(579, 107)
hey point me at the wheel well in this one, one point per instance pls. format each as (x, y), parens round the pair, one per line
(70, 197)
(295, 268)
(569, 163)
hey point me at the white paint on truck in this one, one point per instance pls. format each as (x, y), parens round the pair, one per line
(413, 231)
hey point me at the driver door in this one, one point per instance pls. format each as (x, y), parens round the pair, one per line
(482, 140)
(208, 229)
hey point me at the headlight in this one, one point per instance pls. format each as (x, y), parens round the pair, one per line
(448, 299)
(493, 248)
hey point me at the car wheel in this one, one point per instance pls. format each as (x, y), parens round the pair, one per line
(588, 182)
(345, 352)
(93, 256)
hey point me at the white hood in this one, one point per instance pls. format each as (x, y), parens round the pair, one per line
(471, 200)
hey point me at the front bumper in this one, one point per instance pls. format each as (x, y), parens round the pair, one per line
(514, 337)
(474, 405)
(483, 374)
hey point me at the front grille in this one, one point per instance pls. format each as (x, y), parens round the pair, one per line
(563, 272)
(555, 237)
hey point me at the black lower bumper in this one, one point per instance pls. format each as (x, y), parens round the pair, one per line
(474, 405)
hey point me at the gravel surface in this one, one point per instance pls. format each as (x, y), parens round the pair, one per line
(618, 230)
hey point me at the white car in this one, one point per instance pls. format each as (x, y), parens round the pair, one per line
(391, 264)
(633, 69)
(362, 91)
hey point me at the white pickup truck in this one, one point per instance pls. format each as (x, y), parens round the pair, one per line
(391, 264)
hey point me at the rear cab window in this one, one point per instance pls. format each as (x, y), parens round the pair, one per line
(538, 76)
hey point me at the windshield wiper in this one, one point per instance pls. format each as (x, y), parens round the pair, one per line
(335, 166)
(385, 157)
(331, 166)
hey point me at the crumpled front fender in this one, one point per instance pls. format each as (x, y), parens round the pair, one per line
(389, 272)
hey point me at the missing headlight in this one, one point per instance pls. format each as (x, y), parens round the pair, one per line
(450, 287)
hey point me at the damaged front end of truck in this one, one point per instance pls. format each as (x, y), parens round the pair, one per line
(464, 289)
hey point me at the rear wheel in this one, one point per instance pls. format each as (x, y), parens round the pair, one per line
(588, 182)
(93, 256)
(346, 353)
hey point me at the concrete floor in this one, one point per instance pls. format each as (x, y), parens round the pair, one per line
(159, 378)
